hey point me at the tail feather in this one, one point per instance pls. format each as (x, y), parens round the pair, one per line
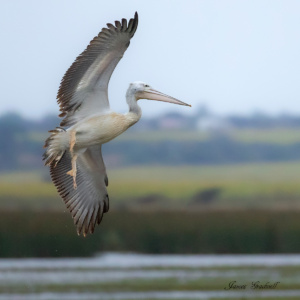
(55, 149)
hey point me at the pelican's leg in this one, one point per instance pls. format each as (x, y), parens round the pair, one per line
(74, 157)
(72, 141)
(73, 171)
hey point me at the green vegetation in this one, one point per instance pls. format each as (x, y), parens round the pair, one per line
(246, 208)
(270, 135)
(256, 186)
(52, 234)
(168, 184)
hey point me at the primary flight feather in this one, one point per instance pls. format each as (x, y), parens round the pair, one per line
(73, 151)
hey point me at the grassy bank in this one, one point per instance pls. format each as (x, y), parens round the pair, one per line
(46, 234)
(246, 208)
(255, 186)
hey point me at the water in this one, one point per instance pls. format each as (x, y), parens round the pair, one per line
(136, 276)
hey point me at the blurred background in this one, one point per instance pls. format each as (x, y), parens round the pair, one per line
(195, 185)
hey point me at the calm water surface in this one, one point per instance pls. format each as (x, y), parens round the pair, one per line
(135, 276)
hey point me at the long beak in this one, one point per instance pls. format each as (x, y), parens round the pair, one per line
(152, 94)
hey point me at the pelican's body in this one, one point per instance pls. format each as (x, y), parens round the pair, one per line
(74, 153)
(112, 125)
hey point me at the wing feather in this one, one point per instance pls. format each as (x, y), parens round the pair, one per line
(90, 200)
(83, 89)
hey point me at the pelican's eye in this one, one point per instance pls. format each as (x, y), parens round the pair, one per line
(147, 85)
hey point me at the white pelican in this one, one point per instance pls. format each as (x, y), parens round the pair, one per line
(74, 153)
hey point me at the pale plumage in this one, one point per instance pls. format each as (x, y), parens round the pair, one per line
(74, 154)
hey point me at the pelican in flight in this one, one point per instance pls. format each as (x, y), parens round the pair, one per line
(73, 150)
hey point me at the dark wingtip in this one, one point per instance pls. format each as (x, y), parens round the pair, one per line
(136, 22)
(132, 25)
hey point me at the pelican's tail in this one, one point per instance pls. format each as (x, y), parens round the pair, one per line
(55, 145)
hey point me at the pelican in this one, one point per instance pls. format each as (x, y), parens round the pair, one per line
(73, 150)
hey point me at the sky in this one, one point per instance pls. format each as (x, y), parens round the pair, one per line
(234, 56)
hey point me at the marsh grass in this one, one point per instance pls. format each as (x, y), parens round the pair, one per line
(52, 234)
(157, 209)
(264, 185)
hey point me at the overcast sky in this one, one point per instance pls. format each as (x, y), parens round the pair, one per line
(235, 56)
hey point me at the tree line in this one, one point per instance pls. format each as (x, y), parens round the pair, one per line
(22, 140)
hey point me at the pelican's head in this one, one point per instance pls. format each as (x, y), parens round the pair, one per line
(143, 90)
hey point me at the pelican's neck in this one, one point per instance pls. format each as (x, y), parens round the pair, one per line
(132, 103)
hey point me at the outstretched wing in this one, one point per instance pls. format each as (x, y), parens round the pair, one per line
(83, 89)
(90, 200)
